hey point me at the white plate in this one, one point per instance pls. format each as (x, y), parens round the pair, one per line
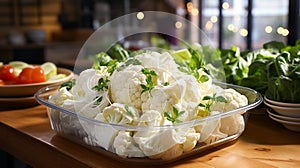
(286, 111)
(286, 118)
(281, 103)
(293, 126)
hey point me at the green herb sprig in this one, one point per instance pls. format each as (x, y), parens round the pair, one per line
(213, 99)
(102, 84)
(98, 101)
(128, 111)
(149, 80)
(173, 117)
(68, 84)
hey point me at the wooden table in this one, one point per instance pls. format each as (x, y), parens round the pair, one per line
(26, 134)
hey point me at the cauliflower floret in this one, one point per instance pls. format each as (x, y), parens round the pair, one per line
(190, 99)
(183, 94)
(119, 114)
(89, 101)
(162, 98)
(150, 118)
(160, 143)
(125, 86)
(59, 97)
(191, 140)
(116, 114)
(125, 146)
(234, 99)
(164, 62)
(234, 123)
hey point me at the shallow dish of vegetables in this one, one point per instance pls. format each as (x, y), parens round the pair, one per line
(21, 80)
(147, 108)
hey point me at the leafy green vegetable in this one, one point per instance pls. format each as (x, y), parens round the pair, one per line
(173, 117)
(103, 59)
(273, 70)
(118, 52)
(159, 42)
(130, 61)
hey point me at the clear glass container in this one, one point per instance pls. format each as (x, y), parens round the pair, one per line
(99, 136)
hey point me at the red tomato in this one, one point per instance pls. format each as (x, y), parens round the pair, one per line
(7, 73)
(31, 74)
(2, 82)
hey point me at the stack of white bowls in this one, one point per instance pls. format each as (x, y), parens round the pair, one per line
(287, 114)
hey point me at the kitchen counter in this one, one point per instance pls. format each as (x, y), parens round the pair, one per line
(26, 134)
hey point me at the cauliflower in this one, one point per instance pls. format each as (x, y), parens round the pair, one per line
(59, 97)
(164, 62)
(150, 118)
(234, 123)
(125, 86)
(234, 99)
(116, 114)
(119, 114)
(153, 142)
(191, 140)
(125, 146)
(87, 100)
(182, 94)
(162, 98)
(145, 94)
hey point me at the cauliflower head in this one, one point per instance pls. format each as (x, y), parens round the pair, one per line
(125, 86)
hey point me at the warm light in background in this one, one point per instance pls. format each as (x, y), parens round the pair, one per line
(268, 29)
(279, 30)
(214, 19)
(140, 15)
(285, 32)
(195, 12)
(225, 5)
(189, 7)
(230, 27)
(244, 32)
(208, 25)
(178, 25)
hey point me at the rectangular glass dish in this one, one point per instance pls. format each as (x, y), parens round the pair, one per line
(214, 130)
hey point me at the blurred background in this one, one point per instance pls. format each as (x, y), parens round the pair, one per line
(54, 30)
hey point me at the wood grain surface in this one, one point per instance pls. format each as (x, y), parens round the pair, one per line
(26, 134)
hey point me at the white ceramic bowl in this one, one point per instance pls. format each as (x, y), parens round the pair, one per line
(281, 103)
(291, 125)
(286, 118)
(285, 111)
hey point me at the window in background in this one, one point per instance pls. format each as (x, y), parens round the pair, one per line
(270, 21)
(246, 24)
